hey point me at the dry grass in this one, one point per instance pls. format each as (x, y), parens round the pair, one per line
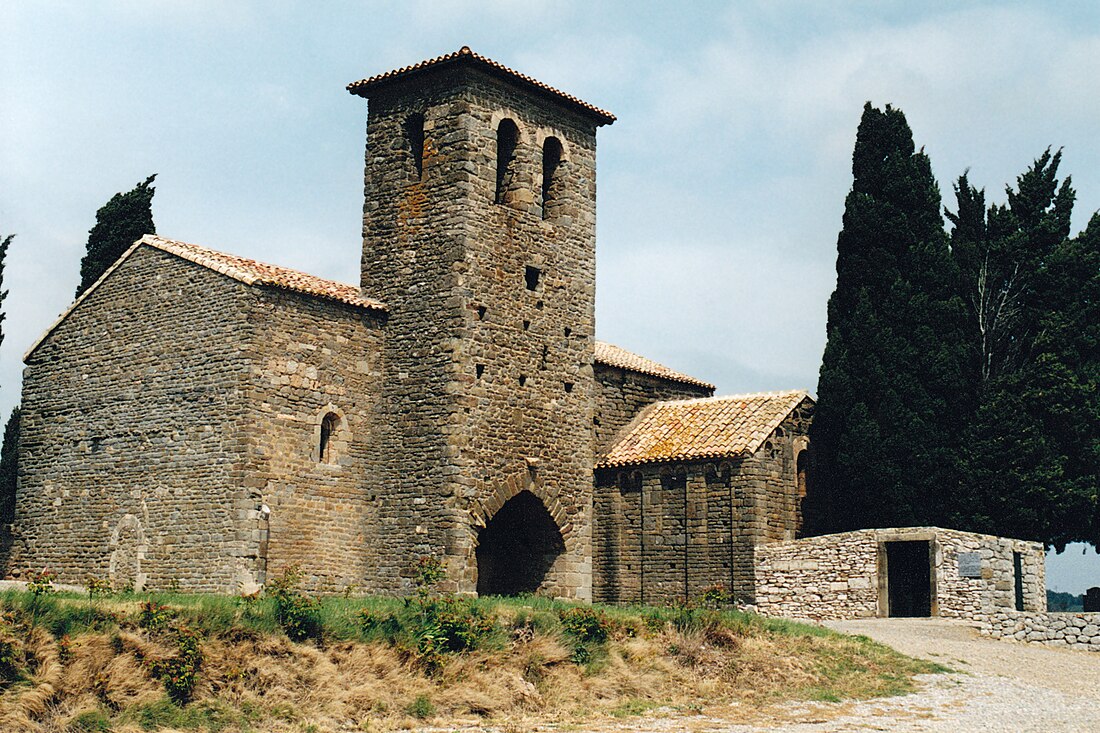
(253, 678)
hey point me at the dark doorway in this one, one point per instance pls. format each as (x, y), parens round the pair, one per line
(1018, 574)
(517, 548)
(909, 578)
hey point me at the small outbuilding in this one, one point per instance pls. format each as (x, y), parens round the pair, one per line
(909, 572)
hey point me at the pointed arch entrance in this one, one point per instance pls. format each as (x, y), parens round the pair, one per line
(517, 548)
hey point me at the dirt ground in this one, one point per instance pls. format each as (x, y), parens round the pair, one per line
(996, 686)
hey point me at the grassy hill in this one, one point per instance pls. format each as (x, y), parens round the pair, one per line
(288, 662)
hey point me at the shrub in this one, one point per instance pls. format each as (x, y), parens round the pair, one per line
(92, 721)
(180, 673)
(715, 597)
(154, 616)
(421, 707)
(65, 649)
(41, 583)
(296, 612)
(586, 624)
(97, 587)
(429, 571)
(462, 625)
(10, 654)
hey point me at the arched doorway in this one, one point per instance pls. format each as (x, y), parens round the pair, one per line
(517, 548)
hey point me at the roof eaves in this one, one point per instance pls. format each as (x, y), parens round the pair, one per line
(466, 55)
(794, 398)
(666, 373)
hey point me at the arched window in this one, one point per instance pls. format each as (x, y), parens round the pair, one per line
(414, 137)
(551, 166)
(329, 424)
(507, 138)
(802, 468)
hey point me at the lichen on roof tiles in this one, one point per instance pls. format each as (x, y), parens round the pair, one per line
(614, 356)
(464, 54)
(706, 428)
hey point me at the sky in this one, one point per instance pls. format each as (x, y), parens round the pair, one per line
(721, 185)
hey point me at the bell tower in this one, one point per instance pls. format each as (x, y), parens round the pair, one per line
(479, 235)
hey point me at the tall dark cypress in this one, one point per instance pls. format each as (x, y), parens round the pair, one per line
(9, 467)
(1031, 453)
(886, 426)
(118, 224)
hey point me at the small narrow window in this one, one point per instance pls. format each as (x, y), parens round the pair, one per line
(481, 313)
(414, 136)
(480, 369)
(329, 423)
(526, 325)
(522, 380)
(568, 332)
(507, 138)
(551, 164)
(532, 275)
(568, 386)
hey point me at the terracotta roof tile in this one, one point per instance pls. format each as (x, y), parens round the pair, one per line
(706, 428)
(241, 269)
(614, 356)
(465, 55)
(252, 272)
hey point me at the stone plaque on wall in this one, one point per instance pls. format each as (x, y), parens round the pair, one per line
(970, 565)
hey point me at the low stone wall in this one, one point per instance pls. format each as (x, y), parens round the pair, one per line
(827, 577)
(844, 576)
(1074, 630)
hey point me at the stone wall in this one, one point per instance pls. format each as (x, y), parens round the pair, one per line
(312, 358)
(669, 531)
(487, 364)
(1074, 630)
(621, 394)
(844, 575)
(131, 443)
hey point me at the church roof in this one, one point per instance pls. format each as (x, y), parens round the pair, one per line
(253, 272)
(242, 269)
(701, 429)
(612, 355)
(465, 56)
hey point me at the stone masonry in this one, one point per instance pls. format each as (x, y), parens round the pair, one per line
(486, 257)
(1073, 630)
(844, 576)
(669, 530)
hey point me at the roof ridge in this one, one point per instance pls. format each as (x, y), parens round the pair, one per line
(197, 254)
(701, 428)
(650, 367)
(358, 87)
(212, 260)
(743, 396)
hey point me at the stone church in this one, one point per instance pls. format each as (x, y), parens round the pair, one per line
(203, 421)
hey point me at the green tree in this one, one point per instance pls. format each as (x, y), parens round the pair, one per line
(8, 450)
(5, 242)
(121, 222)
(1031, 454)
(886, 425)
(9, 467)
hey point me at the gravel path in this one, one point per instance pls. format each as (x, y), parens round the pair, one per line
(999, 687)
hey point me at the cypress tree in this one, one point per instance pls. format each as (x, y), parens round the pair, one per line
(8, 455)
(5, 242)
(119, 223)
(1031, 452)
(9, 467)
(886, 426)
